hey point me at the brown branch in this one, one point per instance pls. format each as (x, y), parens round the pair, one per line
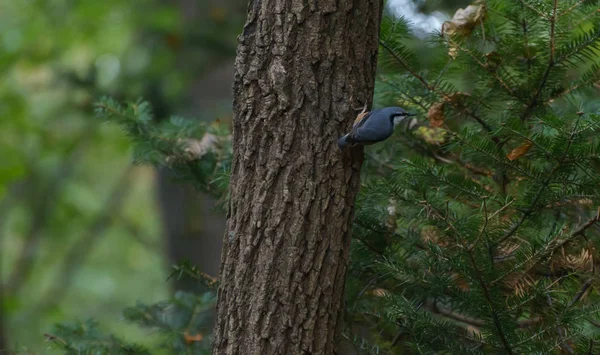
(483, 229)
(447, 312)
(475, 170)
(550, 249)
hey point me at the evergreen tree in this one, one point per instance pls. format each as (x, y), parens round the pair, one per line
(476, 231)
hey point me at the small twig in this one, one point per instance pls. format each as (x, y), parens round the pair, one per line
(581, 292)
(538, 195)
(51, 337)
(490, 303)
(538, 12)
(481, 64)
(501, 209)
(436, 308)
(483, 229)
(567, 11)
(442, 72)
(551, 64)
(578, 232)
(400, 91)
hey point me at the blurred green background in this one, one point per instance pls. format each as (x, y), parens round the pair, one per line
(83, 233)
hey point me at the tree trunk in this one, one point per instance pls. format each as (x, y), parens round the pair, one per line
(302, 70)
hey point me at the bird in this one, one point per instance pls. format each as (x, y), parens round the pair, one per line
(374, 126)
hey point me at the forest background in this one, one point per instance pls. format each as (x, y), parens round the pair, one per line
(83, 232)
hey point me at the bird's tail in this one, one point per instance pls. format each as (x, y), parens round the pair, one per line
(343, 141)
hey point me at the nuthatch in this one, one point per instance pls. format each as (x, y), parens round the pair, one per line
(374, 126)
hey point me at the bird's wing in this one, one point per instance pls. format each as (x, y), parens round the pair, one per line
(362, 117)
(374, 133)
(358, 122)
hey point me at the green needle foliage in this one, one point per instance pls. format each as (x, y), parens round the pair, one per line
(194, 150)
(477, 231)
(182, 325)
(88, 338)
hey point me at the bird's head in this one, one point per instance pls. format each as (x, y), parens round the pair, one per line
(398, 114)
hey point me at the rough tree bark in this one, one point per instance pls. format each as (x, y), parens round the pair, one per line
(302, 70)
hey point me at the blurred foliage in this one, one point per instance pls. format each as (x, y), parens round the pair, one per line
(182, 326)
(87, 337)
(194, 150)
(79, 231)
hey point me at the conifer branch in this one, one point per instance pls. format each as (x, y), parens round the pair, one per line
(486, 293)
(527, 49)
(553, 32)
(499, 80)
(533, 102)
(533, 142)
(582, 291)
(448, 312)
(568, 11)
(480, 280)
(433, 89)
(578, 232)
(484, 228)
(495, 158)
(405, 65)
(581, 46)
(582, 20)
(572, 89)
(538, 12)
(401, 92)
(542, 188)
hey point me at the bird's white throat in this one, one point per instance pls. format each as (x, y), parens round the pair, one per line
(397, 120)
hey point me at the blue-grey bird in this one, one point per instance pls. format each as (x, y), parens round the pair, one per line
(374, 126)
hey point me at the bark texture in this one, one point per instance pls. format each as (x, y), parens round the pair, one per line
(302, 69)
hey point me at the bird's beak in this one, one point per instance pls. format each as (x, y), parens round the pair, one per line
(411, 114)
